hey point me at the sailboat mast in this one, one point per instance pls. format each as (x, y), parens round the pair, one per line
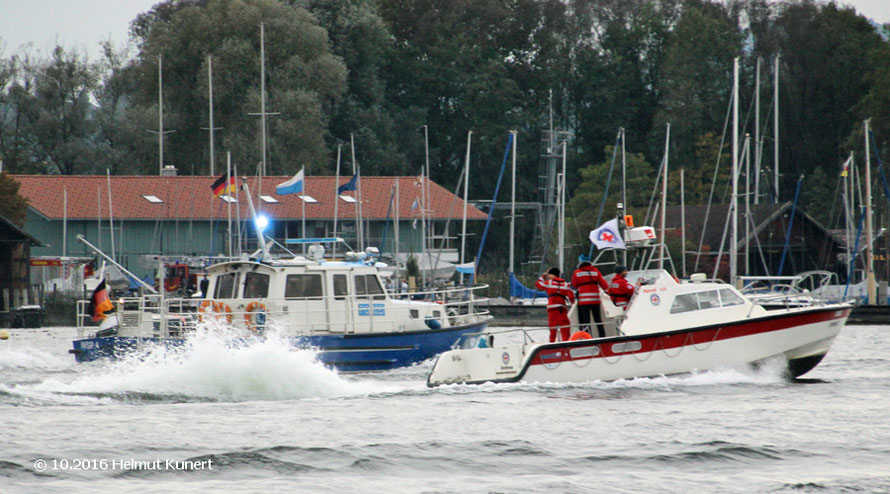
(160, 118)
(747, 200)
(463, 233)
(733, 242)
(562, 210)
(756, 134)
(512, 204)
(776, 130)
(623, 187)
(664, 181)
(210, 108)
(869, 254)
(336, 201)
(683, 222)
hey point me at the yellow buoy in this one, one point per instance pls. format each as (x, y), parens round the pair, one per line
(4, 334)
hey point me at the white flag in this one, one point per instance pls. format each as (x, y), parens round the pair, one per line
(607, 236)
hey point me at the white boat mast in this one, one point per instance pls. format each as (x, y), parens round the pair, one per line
(562, 210)
(463, 234)
(427, 210)
(682, 222)
(336, 201)
(664, 182)
(512, 204)
(623, 187)
(756, 135)
(160, 121)
(396, 233)
(776, 130)
(869, 254)
(228, 194)
(110, 214)
(210, 108)
(733, 242)
(747, 202)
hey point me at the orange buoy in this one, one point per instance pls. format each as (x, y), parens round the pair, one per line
(580, 335)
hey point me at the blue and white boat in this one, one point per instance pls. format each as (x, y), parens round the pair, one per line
(338, 308)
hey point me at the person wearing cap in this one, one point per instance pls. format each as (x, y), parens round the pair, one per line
(559, 298)
(620, 289)
(588, 280)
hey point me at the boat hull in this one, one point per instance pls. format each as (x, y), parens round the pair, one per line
(343, 352)
(802, 337)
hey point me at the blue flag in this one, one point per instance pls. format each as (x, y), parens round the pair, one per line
(350, 185)
(292, 186)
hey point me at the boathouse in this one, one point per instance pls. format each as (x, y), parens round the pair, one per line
(136, 217)
(15, 285)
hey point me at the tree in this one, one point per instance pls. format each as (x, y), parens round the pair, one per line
(58, 115)
(304, 80)
(14, 206)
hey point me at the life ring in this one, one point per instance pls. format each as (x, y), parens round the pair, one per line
(249, 314)
(203, 308)
(213, 306)
(222, 307)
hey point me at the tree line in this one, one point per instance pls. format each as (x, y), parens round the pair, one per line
(382, 71)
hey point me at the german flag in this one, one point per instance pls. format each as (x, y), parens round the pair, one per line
(99, 303)
(223, 184)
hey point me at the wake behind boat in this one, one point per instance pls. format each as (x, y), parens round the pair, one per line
(669, 328)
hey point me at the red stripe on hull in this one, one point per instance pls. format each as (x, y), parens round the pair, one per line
(552, 354)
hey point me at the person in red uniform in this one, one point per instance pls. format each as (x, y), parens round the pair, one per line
(559, 298)
(588, 280)
(620, 289)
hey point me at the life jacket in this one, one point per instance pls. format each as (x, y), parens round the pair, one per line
(621, 291)
(559, 293)
(587, 281)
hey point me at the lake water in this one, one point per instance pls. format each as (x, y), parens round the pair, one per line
(260, 418)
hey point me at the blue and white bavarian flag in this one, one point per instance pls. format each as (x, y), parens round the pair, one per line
(607, 236)
(292, 186)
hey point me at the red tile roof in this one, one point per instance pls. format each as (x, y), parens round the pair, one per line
(190, 197)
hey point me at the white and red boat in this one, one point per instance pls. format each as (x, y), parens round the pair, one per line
(670, 327)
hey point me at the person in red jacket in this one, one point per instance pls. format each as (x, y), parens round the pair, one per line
(620, 289)
(588, 280)
(559, 298)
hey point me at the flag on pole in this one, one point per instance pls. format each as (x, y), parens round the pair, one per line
(292, 186)
(223, 185)
(350, 185)
(99, 303)
(846, 170)
(607, 236)
(415, 204)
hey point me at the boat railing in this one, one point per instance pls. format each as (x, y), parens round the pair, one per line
(149, 315)
(471, 340)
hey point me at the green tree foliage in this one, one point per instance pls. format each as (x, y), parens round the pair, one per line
(304, 81)
(13, 206)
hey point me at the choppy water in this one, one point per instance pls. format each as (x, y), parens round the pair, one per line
(266, 419)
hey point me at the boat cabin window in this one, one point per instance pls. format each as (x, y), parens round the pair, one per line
(225, 285)
(303, 286)
(729, 297)
(368, 284)
(256, 285)
(705, 300)
(340, 287)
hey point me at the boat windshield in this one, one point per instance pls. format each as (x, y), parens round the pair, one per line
(256, 285)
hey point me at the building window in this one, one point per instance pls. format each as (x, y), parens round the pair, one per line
(152, 199)
(307, 198)
(348, 199)
(229, 199)
(269, 199)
